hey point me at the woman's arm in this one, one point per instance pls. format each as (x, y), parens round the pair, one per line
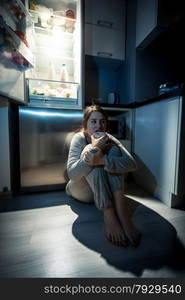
(76, 166)
(120, 164)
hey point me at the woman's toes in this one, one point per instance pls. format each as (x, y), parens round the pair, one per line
(135, 238)
(118, 240)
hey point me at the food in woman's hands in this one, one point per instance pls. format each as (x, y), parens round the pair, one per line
(99, 134)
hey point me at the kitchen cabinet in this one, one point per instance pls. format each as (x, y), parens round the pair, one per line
(153, 17)
(158, 149)
(108, 13)
(105, 29)
(104, 42)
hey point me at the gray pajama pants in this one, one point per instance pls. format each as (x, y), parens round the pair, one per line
(99, 185)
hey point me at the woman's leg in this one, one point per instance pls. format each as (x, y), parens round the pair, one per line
(103, 198)
(80, 190)
(125, 218)
(117, 188)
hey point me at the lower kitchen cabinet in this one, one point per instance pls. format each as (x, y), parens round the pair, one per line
(158, 150)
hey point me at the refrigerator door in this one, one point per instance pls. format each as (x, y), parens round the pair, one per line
(56, 81)
(45, 136)
(15, 49)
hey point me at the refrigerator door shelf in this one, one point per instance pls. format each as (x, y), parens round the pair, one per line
(14, 42)
(15, 14)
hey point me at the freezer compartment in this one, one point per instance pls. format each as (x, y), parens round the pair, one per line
(45, 136)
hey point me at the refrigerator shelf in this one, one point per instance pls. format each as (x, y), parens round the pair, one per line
(66, 55)
(50, 19)
(52, 81)
(41, 33)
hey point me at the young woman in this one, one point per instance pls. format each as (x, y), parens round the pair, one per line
(99, 176)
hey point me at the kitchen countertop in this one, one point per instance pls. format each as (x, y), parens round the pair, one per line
(136, 104)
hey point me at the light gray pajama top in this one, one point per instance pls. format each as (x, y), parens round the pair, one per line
(81, 175)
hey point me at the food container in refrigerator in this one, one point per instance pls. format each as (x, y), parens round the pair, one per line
(53, 93)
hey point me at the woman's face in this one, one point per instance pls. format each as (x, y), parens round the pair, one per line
(96, 122)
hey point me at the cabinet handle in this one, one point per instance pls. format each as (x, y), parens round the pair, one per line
(104, 23)
(105, 54)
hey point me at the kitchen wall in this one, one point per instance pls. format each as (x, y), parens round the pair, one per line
(102, 80)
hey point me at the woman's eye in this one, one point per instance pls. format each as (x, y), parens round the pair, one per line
(93, 121)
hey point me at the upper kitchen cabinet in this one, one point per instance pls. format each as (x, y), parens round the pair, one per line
(108, 13)
(104, 42)
(105, 29)
(153, 17)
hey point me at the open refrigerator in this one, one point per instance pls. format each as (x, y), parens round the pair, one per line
(41, 42)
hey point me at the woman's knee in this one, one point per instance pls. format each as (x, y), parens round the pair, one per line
(116, 182)
(114, 151)
(97, 172)
(80, 191)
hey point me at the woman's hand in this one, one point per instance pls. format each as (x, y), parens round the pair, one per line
(94, 157)
(100, 142)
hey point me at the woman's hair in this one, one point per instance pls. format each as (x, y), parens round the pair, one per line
(88, 112)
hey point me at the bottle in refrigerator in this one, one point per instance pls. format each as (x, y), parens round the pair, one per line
(64, 77)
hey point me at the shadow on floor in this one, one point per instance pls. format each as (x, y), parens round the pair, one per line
(159, 246)
(33, 201)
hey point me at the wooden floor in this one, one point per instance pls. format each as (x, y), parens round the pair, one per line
(52, 235)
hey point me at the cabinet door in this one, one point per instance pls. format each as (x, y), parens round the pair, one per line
(108, 13)
(104, 42)
(156, 147)
(146, 19)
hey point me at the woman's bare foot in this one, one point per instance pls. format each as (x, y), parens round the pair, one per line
(131, 232)
(114, 231)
